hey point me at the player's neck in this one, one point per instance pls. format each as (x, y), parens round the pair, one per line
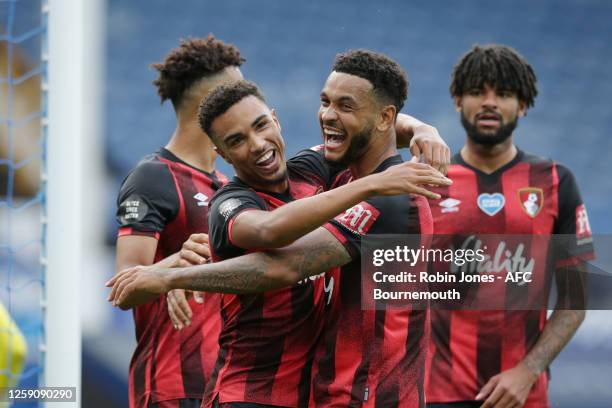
(488, 159)
(191, 145)
(381, 147)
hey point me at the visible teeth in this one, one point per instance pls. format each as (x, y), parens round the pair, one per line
(330, 132)
(265, 157)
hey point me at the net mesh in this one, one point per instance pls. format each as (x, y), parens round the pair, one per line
(23, 29)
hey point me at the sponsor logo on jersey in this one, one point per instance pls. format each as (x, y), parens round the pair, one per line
(532, 200)
(359, 218)
(450, 205)
(491, 204)
(583, 227)
(202, 199)
(229, 205)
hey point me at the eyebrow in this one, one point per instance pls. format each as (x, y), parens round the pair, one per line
(342, 99)
(259, 119)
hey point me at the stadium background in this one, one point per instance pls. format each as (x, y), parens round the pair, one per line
(289, 47)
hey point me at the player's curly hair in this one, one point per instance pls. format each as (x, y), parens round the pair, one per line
(385, 75)
(192, 60)
(223, 97)
(499, 66)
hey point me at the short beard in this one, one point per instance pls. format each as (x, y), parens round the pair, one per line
(358, 146)
(489, 140)
(281, 178)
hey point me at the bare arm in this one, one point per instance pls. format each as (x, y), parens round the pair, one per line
(282, 226)
(422, 139)
(135, 250)
(563, 323)
(257, 272)
(511, 387)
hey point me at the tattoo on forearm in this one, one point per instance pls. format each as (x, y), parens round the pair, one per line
(262, 271)
(558, 331)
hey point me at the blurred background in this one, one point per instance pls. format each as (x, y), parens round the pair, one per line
(289, 47)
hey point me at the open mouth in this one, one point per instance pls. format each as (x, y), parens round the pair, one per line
(268, 160)
(488, 119)
(333, 137)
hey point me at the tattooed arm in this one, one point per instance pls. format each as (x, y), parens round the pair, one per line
(512, 386)
(563, 323)
(257, 272)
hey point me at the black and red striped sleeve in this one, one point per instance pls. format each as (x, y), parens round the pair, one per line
(311, 163)
(572, 224)
(226, 204)
(148, 199)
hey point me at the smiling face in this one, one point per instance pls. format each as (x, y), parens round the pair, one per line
(488, 115)
(347, 116)
(248, 137)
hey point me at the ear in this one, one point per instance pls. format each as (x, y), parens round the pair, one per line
(386, 118)
(458, 101)
(275, 119)
(522, 109)
(221, 153)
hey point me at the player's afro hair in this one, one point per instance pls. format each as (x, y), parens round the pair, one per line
(386, 76)
(223, 97)
(499, 66)
(192, 60)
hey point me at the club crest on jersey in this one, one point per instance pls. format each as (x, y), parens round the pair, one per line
(359, 218)
(450, 205)
(532, 200)
(202, 199)
(491, 204)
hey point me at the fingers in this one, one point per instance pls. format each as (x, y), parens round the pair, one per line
(195, 252)
(115, 282)
(198, 297)
(494, 398)
(416, 151)
(426, 193)
(176, 322)
(199, 238)
(192, 257)
(177, 302)
(122, 291)
(486, 390)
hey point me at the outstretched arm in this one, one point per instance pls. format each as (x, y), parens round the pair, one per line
(282, 226)
(257, 272)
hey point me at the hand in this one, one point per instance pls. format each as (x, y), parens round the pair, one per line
(508, 389)
(178, 306)
(408, 178)
(137, 280)
(195, 251)
(428, 143)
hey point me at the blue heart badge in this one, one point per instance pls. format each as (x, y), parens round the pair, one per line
(491, 204)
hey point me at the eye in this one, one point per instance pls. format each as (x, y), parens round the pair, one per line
(234, 141)
(474, 92)
(262, 125)
(324, 102)
(346, 108)
(506, 94)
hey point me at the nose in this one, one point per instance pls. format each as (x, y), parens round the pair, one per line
(257, 143)
(328, 113)
(490, 99)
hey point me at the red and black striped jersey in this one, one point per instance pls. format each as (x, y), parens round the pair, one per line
(528, 196)
(166, 198)
(372, 358)
(267, 340)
